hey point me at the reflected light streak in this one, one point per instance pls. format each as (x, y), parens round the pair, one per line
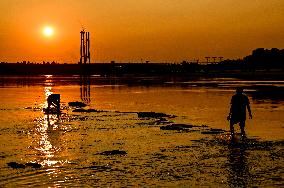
(48, 76)
(48, 80)
(45, 127)
(47, 89)
(46, 131)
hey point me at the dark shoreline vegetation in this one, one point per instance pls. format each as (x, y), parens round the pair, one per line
(261, 64)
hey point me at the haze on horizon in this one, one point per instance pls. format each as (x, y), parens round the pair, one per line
(128, 31)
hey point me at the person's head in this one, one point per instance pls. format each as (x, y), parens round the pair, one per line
(239, 90)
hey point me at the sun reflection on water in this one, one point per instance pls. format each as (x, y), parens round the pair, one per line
(48, 133)
(50, 147)
(45, 129)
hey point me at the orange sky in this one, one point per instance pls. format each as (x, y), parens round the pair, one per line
(128, 30)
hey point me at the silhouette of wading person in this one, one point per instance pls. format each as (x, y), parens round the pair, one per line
(239, 104)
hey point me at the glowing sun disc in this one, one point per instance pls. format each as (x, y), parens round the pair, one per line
(48, 31)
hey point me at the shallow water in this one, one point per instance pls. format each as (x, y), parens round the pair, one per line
(70, 146)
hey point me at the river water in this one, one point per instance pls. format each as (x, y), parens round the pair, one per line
(74, 148)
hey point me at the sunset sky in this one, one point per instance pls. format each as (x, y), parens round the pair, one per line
(131, 30)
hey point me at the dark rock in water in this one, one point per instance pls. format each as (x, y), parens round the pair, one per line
(114, 152)
(161, 121)
(77, 104)
(84, 110)
(213, 131)
(93, 110)
(177, 127)
(217, 130)
(203, 126)
(51, 111)
(33, 165)
(15, 165)
(151, 115)
(79, 110)
(99, 168)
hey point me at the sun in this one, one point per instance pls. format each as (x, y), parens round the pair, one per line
(48, 31)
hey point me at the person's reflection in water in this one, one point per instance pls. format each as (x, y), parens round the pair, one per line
(238, 175)
(239, 104)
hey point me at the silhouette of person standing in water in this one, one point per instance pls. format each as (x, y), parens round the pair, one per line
(239, 104)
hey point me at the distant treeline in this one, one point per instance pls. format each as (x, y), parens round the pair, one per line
(259, 61)
(264, 58)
